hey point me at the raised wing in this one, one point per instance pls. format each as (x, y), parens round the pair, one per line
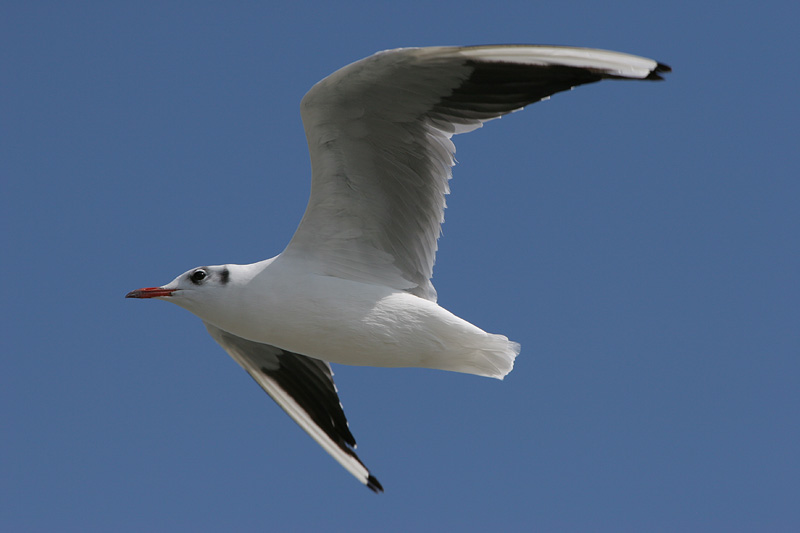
(379, 136)
(304, 388)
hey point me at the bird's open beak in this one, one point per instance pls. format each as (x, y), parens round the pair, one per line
(150, 292)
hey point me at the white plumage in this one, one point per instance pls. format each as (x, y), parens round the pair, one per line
(353, 285)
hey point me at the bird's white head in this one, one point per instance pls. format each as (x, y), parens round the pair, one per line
(192, 289)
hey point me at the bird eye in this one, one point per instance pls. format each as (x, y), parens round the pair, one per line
(198, 276)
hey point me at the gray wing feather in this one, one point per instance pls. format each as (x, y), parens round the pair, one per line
(304, 388)
(379, 138)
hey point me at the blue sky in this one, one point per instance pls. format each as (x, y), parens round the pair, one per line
(640, 240)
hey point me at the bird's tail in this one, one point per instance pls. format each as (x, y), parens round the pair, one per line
(493, 359)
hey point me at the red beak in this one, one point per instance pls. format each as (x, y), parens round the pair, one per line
(150, 292)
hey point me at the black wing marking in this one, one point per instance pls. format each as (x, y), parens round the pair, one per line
(304, 388)
(495, 88)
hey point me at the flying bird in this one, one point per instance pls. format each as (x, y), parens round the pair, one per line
(353, 286)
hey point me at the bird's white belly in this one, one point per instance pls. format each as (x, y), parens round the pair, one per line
(347, 322)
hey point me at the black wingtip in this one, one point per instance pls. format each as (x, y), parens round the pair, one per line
(656, 72)
(374, 485)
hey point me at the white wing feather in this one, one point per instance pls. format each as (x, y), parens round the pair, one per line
(379, 133)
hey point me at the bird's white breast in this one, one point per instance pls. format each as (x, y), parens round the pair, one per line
(347, 322)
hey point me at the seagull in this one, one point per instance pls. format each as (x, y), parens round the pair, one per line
(353, 286)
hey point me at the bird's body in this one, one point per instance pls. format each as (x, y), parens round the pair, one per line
(353, 285)
(348, 322)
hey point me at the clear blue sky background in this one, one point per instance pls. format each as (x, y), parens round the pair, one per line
(639, 239)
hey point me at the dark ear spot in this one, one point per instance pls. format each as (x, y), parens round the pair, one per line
(225, 276)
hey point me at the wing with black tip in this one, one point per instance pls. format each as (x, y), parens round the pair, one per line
(304, 388)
